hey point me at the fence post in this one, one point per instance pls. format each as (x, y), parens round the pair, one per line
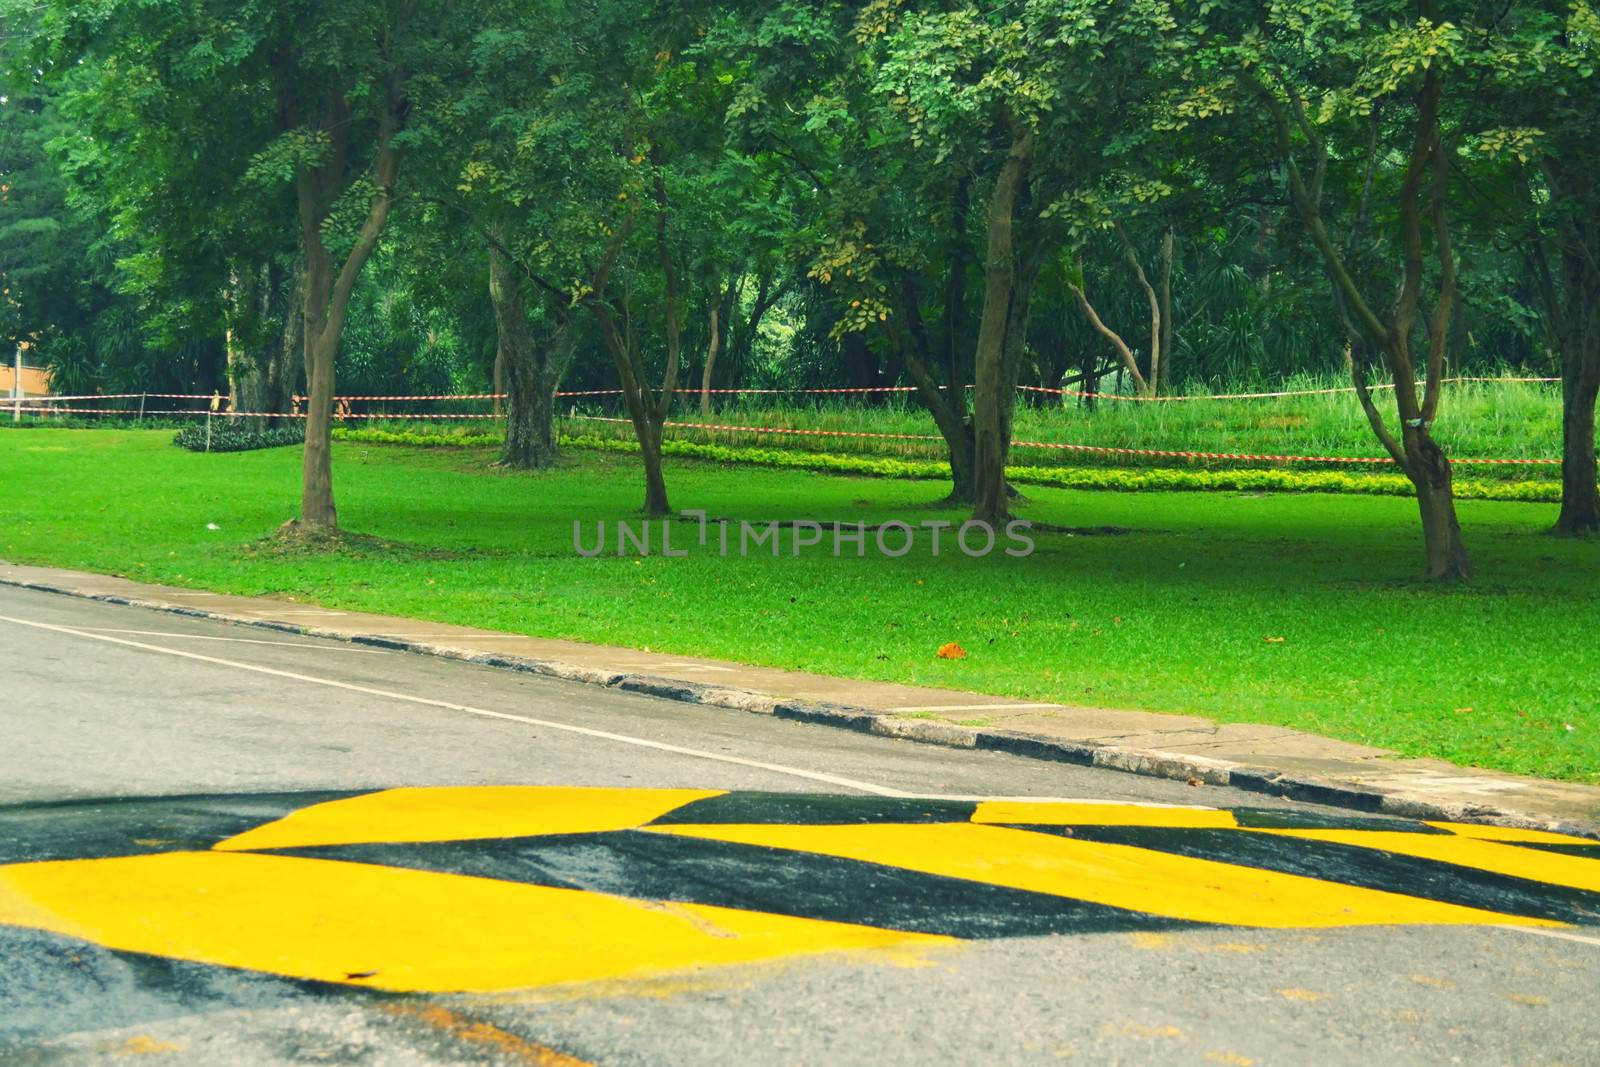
(16, 387)
(208, 431)
(142, 397)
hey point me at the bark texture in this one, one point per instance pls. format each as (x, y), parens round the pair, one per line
(1007, 293)
(947, 404)
(262, 366)
(530, 365)
(1571, 296)
(715, 346)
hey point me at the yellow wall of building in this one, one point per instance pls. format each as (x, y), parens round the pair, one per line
(35, 381)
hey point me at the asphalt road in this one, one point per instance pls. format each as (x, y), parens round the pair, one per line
(203, 824)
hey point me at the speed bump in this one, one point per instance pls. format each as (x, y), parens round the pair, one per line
(497, 888)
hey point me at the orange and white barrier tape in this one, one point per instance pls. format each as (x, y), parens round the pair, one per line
(779, 431)
(1273, 395)
(1098, 449)
(857, 390)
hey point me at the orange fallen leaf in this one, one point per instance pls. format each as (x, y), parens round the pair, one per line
(1463, 711)
(1276, 640)
(952, 651)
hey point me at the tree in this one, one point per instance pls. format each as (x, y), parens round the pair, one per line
(502, 146)
(207, 259)
(308, 96)
(1160, 313)
(339, 145)
(1544, 95)
(1350, 85)
(560, 147)
(1039, 105)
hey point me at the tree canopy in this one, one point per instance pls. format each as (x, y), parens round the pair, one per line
(670, 199)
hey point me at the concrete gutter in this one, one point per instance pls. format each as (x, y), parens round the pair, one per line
(1263, 759)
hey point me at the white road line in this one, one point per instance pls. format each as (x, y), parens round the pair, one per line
(794, 772)
(238, 640)
(1559, 934)
(777, 768)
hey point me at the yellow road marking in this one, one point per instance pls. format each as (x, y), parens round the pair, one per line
(1508, 833)
(395, 929)
(1555, 868)
(464, 814)
(486, 1036)
(1074, 814)
(1122, 876)
(145, 1045)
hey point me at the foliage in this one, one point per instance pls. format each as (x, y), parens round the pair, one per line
(228, 435)
(64, 295)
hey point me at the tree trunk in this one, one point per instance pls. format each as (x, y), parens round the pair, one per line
(1165, 347)
(1579, 338)
(317, 511)
(861, 368)
(1414, 451)
(531, 371)
(530, 420)
(961, 446)
(249, 348)
(1580, 495)
(1441, 532)
(499, 381)
(328, 293)
(948, 406)
(1130, 362)
(287, 364)
(647, 409)
(994, 393)
(955, 295)
(711, 355)
(656, 504)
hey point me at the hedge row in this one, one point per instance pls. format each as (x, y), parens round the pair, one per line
(232, 437)
(432, 439)
(1102, 478)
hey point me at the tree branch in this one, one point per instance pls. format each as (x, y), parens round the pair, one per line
(1111, 335)
(1155, 305)
(1311, 213)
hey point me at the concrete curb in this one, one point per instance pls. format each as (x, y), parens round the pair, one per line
(1150, 763)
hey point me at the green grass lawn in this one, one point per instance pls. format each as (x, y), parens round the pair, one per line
(1173, 617)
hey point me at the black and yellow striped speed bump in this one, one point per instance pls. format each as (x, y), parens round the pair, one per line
(492, 888)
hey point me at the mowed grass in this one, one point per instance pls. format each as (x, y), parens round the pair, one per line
(1175, 616)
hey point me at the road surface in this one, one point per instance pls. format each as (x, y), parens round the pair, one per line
(223, 845)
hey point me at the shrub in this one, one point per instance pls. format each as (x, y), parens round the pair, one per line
(456, 438)
(230, 436)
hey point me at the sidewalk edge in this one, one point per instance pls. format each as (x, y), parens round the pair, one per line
(1150, 763)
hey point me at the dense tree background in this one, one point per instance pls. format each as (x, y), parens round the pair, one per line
(684, 197)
